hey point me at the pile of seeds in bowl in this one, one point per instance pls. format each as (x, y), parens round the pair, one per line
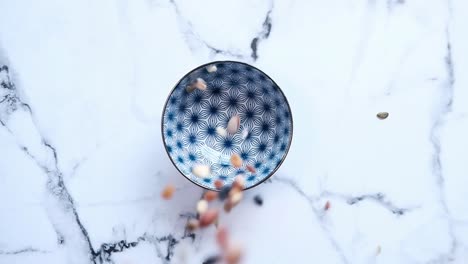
(233, 126)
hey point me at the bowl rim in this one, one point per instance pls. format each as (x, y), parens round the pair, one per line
(202, 66)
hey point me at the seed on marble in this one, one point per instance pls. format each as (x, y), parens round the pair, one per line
(258, 200)
(233, 124)
(200, 84)
(382, 115)
(327, 206)
(379, 249)
(221, 131)
(236, 160)
(245, 133)
(210, 196)
(202, 206)
(201, 170)
(208, 217)
(168, 192)
(222, 237)
(212, 260)
(192, 224)
(251, 168)
(239, 183)
(218, 184)
(233, 254)
(211, 68)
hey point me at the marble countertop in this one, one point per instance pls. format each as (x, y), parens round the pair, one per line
(82, 162)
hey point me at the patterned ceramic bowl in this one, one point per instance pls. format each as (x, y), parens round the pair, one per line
(197, 113)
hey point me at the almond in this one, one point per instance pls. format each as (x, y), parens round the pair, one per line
(233, 124)
(210, 196)
(200, 84)
(168, 192)
(208, 217)
(236, 160)
(218, 184)
(251, 168)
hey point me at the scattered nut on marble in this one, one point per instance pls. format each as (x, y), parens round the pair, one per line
(211, 68)
(235, 198)
(233, 124)
(221, 131)
(192, 224)
(201, 170)
(202, 206)
(251, 168)
(236, 160)
(258, 200)
(210, 196)
(327, 206)
(168, 191)
(208, 217)
(382, 115)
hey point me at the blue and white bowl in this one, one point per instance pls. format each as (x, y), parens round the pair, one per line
(191, 118)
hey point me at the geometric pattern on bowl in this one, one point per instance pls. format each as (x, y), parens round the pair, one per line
(190, 119)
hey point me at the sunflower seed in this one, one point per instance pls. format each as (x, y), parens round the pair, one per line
(202, 171)
(202, 206)
(212, 260)
(236, 160)
(221, 131)
(382, 115)
(223, 194)
(245, 133)
(233, 124)
(258, 200)
(168, 192)
(211, 68)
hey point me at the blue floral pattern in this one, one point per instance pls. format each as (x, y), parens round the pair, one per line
(191, 118)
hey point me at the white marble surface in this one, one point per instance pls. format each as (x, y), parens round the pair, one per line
(81, 156)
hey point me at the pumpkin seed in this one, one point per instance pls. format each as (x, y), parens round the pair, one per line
(202, 171)
(233, 124)
(202, 206)
(211, 68)
(221, 131)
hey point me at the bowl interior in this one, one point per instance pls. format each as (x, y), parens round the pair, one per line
(192, 118)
